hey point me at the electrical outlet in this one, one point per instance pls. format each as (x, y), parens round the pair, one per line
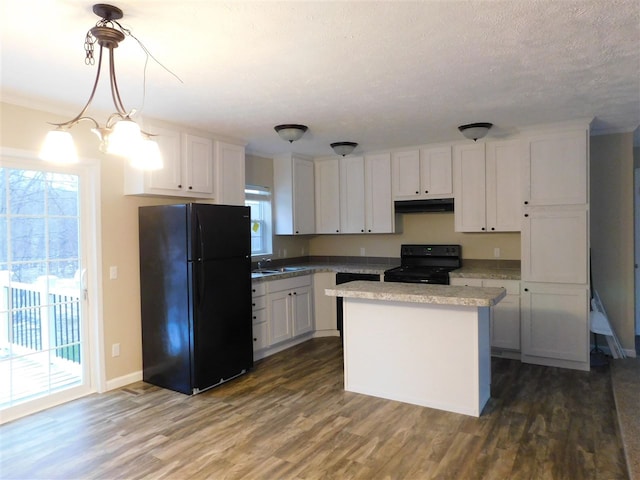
(362, 251)
(115, 350)
(113, 272)
(496, 252)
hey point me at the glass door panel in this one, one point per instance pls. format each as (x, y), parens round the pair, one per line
(41, 298)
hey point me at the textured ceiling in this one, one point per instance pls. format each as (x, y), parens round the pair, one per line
(383, 74)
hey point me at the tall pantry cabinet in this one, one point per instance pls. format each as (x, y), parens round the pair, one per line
(555, 249)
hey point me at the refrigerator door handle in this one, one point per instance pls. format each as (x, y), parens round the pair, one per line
(200, 238)
(199, 279)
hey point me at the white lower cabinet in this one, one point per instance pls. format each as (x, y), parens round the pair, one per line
(289, 308)
(505, 316)
(555, 326)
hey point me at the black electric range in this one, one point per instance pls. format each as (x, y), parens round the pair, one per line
(425, 264)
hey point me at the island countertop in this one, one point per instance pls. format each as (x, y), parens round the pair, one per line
(420, 293)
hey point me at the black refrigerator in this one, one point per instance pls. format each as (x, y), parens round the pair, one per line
(195, 289)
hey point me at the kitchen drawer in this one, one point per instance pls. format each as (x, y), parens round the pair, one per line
(511, 286)
(260, 336)
(258, 289)
(259, 316)
(288, 283)
(258, 302)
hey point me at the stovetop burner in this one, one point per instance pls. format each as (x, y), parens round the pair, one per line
(425, 264)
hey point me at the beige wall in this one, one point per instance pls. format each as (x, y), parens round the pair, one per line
(420, 228)
(612, 245)
(259, 171)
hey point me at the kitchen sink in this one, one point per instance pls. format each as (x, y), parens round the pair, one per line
(268, 271)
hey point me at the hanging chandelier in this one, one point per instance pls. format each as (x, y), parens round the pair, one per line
(120, 135)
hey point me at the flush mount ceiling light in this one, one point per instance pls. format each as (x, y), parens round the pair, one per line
(290, 132)
(343, 148)
(120, 135)
(474, 131)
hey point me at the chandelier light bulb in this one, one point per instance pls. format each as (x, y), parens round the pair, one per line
(148, 156)
(125, 138)
(58, 147)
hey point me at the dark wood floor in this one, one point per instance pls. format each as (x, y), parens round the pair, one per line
(290, 418)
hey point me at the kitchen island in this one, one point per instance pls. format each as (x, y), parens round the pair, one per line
(422, 344)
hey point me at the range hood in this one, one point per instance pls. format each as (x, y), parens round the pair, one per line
(421, 206)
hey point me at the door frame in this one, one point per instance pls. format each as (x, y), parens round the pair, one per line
(89, 172)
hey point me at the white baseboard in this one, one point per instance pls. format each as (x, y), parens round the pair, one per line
(124, 380)
(326, 333)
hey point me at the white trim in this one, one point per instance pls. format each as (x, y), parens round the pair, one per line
(124, 380)
(89, 171)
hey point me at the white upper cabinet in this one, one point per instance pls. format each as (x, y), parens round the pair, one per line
(470, 188)
(556, 170)
(294, 196)
(406, 175)
(191, 169)
(197, 155)
(504, 185)
(188, 167)
(230, 177)
(169, 177)
(352, 197)
(487, 187)
(436, 172)
(379, 215)
(327, 179)
(426, 173)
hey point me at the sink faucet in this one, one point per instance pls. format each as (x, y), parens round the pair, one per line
(263, 263)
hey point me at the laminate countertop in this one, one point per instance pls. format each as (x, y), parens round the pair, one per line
(486, 272)
(288, 271)
(420, 293)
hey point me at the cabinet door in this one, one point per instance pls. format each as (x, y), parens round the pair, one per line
(469, 188)
(436, 172)
(503, 182)
(169, 177)
(556, 171)
(302, 310)
(229, 173)
(555, 323)
(327, 178)
(554, 245)
(406, 175)
(378, 201)
(198, 164)
(280, 316)
(304, 218)
(260, 336)
(352, 213)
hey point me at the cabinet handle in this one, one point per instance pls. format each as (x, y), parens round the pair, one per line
(255, 339)
(297, 231)
(289, 294)
(295, 293)
(493, 228)
(426, 191)
(254, 317)
(362, 230)
(254, 291)
(526, 289)
(526, 202)
(337, 231)
(253, 304)
(417, 192)
(483, 229)
(179, 186)
(369, 230)
(190, 187)
(526, 214)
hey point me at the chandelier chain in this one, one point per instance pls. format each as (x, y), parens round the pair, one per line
(89, 43)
